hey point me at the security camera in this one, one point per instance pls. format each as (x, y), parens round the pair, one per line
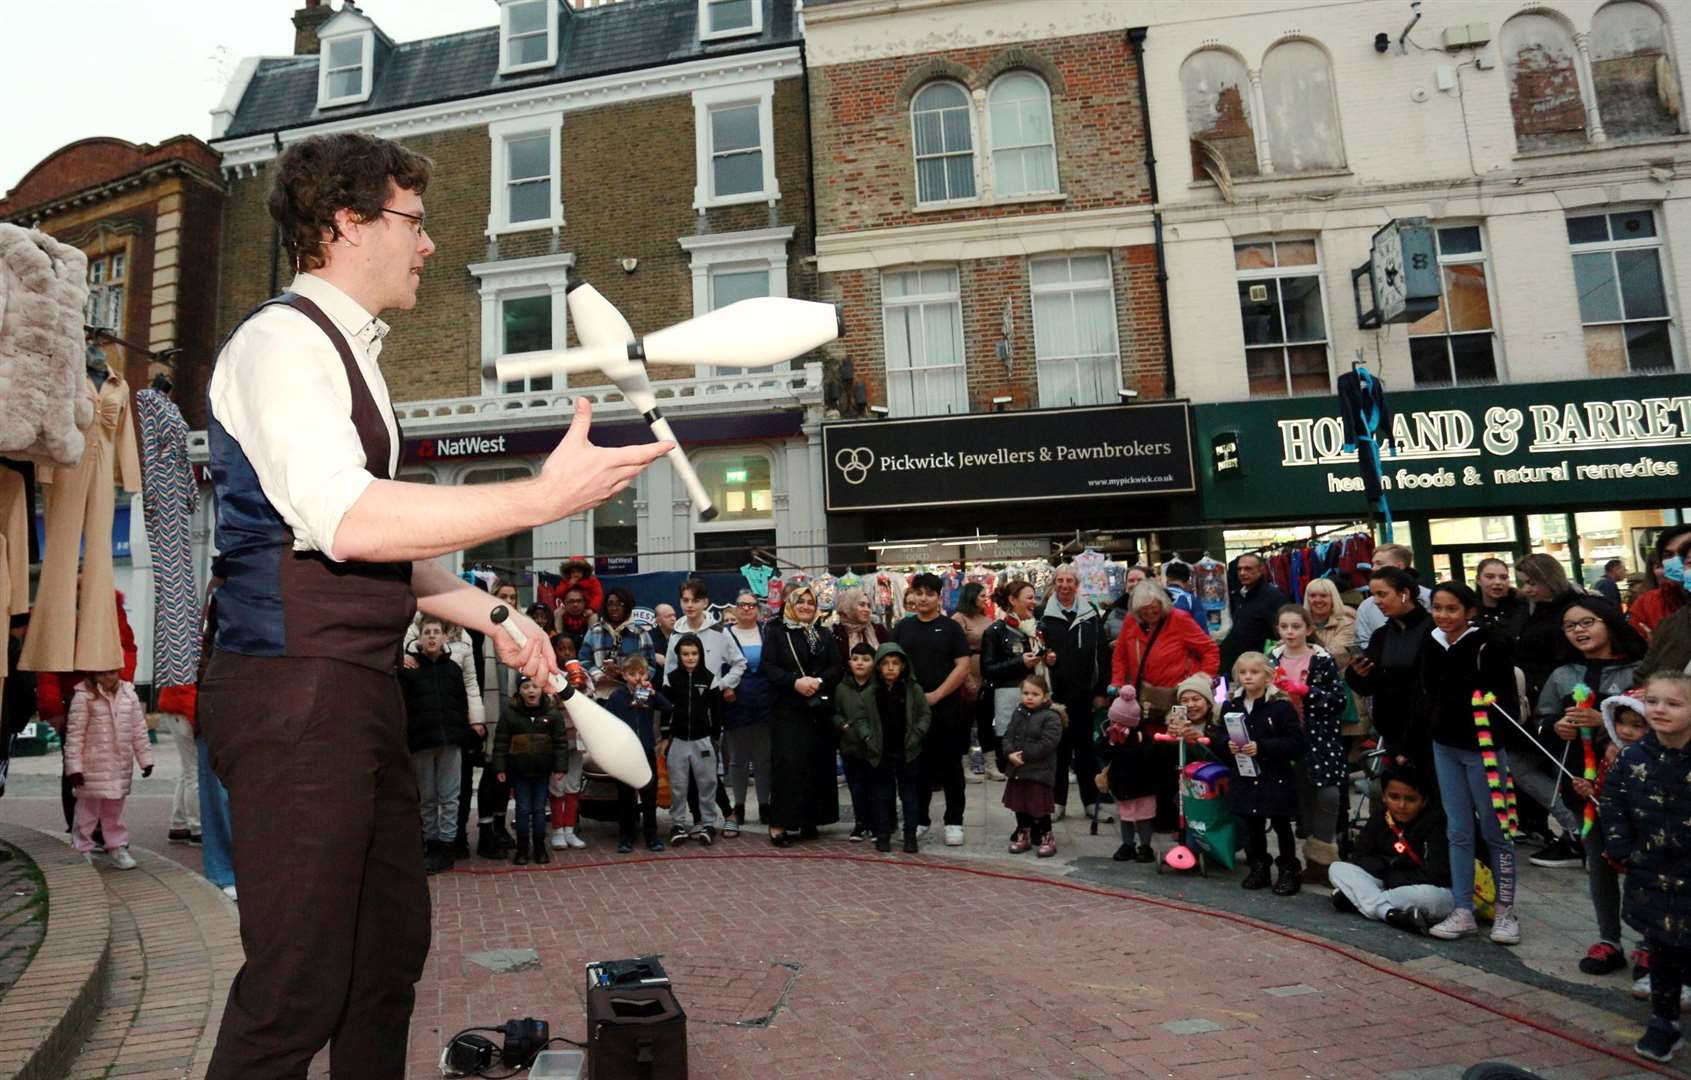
(1382, 42)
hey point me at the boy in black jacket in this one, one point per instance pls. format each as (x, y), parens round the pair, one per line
(1399, 868)
(694, 719)
(437, 732)
(634, 703)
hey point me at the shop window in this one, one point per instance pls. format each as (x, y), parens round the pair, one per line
(943, 123)
(729, 18)
(1074, 331)
(1455, 343)
(721, 551)
(1638, 95)
(739, 486)
(525, 325)
(525, 181)
(1218, 115)
(1024, 153)
(734, 143)
(508, 553)
(107, 276)
(1284, 321)
(1544, 83)
(1623, 299)
(527, 39)
(616, 527)
(1302, 113)
(923, 316)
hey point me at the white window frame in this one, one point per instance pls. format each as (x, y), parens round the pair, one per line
(992, 142)
(1482, 258)
(501, 132)
(367, 59)
(1663, 265)
(1068, 289)
(108, 282)
(761, 94)
(1277, 272)
(731, 252)
(722, 522)
(506, 66)
(974, 150)
(920, 300)
(708, 33)
(512, 279)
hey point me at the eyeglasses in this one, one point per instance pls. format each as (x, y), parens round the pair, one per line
(1583, 624)
(417, 226)
(753, 606)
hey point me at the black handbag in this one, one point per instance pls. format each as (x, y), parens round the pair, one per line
(823, 698)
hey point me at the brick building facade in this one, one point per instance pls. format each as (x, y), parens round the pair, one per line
(984, 216)
(657, 154)
(149, 218)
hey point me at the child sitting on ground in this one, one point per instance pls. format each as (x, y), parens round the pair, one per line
(105, 735)
(694, 719)
(883, 718)
(1273, 743)
(1623, 721)
(1125, 749)
(1030, 750)
(528, 751)
(1645, 803)
(632, 703)
(1398, 872)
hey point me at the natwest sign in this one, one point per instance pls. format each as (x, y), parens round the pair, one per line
(461, 446)
(1080, 453)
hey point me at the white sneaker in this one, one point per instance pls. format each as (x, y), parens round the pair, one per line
(921, 830)
(954, 836)
(572, 839)
(558, 841)
(1458, 924)
(229, 891)
(1641, 987)
(1505, 928)
(122, 860)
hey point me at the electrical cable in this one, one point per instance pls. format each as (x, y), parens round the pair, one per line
(1151, 901)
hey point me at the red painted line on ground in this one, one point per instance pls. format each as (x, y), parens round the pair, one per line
(1094, 890)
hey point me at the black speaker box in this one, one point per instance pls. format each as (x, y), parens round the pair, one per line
(635, 1033)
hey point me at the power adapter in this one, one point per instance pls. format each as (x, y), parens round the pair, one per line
(468, 1054)
(524, 1039)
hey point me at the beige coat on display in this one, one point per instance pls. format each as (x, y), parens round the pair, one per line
(72, 628)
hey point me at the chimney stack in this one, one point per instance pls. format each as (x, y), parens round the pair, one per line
(307, 21)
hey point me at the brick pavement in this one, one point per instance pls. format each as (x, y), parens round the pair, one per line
(23, 916)
(727, 981)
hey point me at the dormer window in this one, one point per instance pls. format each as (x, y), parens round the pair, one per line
(528, 35)
(346, 59)
(729, 18)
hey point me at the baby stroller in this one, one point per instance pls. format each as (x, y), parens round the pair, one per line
(1207, 828)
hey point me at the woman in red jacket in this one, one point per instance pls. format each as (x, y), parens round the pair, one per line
(1158, 647)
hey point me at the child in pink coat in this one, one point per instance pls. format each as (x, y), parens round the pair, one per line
(105, 735)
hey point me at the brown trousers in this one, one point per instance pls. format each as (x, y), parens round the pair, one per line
(334, 906)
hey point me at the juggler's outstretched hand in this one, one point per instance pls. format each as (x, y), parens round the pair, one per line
(579, 475)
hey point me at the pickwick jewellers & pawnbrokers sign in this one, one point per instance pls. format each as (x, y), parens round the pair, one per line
(1080, 453)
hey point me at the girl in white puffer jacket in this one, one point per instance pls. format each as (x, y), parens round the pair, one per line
(105, 735)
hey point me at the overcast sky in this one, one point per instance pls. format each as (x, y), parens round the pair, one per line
(145, 70)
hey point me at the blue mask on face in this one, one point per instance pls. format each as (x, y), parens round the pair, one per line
(1674, 569)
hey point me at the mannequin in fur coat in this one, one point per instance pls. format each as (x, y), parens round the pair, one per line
(43, 289)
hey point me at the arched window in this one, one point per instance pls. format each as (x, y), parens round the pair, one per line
(1298, 103)
(1218, 113)
(1544, 93)
(1024, 155)
(940, 117)
(1638, 96)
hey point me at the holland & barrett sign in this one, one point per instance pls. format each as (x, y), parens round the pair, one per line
(1585, 444)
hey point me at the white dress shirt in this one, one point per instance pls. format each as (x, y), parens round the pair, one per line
(280, 391)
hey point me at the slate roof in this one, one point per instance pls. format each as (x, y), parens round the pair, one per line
(625, 36)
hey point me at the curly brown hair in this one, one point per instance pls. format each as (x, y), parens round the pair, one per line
(318, 176)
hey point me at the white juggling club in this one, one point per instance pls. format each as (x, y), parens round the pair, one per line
(613, 744)
(759, 332)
